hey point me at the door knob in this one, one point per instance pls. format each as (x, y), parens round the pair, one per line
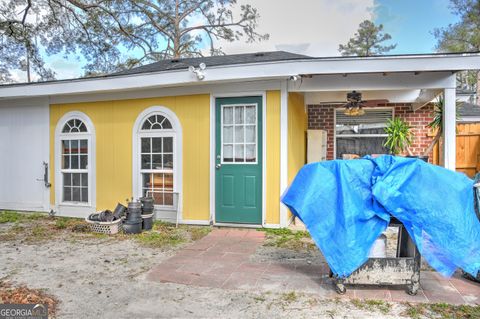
(218, 166)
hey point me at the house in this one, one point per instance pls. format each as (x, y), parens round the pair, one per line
(225, 133)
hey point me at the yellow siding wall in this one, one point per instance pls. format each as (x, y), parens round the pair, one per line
(114, 120)
(297, 126)
(273, 158)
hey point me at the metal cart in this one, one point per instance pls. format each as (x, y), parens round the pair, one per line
(404, 269)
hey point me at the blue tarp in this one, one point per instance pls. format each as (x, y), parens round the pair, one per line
(347, 204)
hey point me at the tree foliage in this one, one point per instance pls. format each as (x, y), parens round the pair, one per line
(112, 35)
(463, 36)
(367, 41)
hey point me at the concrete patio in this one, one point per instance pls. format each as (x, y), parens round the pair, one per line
(223, 260)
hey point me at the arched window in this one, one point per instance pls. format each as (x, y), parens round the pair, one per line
(74, 140)
(156, 156)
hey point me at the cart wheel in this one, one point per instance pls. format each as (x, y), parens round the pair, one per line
(340, 288)
(412, 289)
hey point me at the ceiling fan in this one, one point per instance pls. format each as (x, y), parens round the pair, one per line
(355, 104)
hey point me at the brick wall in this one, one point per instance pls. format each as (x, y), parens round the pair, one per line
(322, 117)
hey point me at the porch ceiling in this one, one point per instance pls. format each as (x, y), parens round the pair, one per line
(404, 87)
(418, 97)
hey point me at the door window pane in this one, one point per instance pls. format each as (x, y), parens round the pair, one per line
(228, 134)
(250, 155)
(239, 115)
(250, 134)
(228, 153)
(239, 155)
(239, 142)
(228, 115)
(239, 131)
(250, 116)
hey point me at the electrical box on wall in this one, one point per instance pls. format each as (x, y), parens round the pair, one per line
(316, 146)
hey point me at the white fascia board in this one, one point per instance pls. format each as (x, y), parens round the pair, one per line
(377, 81)
(212, 89)
(250, 72)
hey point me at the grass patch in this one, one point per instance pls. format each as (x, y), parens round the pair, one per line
(166, 235)
(198, 232)
(156, 239)
(372, 305)
(35, 227)
(8, 216)
(441, 310)
(289, 297)
(287, 238)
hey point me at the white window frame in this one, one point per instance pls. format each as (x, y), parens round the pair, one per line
(176, 133)
(70, 208)
(335, 135)
(222, 106)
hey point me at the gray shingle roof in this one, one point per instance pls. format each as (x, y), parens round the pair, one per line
(468, 110)
(184, 63)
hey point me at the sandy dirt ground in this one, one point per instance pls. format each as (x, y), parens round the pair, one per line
(105, 278)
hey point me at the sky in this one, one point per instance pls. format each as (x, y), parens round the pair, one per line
(317, 27)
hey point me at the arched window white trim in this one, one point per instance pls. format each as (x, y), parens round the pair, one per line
(75, 159)
(157, 124)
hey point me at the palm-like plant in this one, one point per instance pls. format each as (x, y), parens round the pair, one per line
(399, 137)
(437, 122)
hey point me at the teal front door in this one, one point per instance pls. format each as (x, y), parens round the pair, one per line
(238, 160)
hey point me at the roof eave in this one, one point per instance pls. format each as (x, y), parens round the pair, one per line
(249, 72)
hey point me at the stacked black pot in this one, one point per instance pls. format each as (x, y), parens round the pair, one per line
(147, 212)
(133, 223)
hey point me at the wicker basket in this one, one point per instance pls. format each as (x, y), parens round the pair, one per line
(109, 228)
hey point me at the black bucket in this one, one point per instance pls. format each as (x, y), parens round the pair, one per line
(134, 212)
(105, 216)
(147, 205)
(132, 228)
(147, 222)
(119, 211)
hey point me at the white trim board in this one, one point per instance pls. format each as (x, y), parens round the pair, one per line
(68, 208)
(177, 153)
(213, 98)
(283, 150)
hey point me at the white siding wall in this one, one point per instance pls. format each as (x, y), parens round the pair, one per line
(24, 146)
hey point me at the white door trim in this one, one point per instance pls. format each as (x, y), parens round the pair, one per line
(283, 150)
(213, 97)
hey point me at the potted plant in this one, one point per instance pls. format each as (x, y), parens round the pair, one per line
(399, 137)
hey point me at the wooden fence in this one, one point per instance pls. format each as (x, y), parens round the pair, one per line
(468, 149)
